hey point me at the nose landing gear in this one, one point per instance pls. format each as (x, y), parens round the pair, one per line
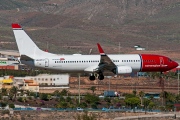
(92, 77)
(100, 76)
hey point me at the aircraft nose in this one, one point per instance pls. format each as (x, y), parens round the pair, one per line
(175, 64)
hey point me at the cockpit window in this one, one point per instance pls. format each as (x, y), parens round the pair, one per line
(170, 60)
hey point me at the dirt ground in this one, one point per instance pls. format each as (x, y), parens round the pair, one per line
(55, 115)
(119, 84)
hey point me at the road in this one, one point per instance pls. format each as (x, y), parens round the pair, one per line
(159, 116)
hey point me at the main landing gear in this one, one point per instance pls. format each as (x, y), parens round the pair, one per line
(100, 76)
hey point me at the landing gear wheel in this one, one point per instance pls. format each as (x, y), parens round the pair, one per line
(92, 78)
(101, 77)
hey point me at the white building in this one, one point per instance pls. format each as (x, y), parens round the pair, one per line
(140, 48)
(46, 79)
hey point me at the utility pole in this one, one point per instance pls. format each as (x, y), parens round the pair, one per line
(178, 82)
(119, 47)
(161, 84)
(109, 77)
(79, 88)
(109, 84)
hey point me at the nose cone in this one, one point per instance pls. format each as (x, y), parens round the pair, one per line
(175, 64)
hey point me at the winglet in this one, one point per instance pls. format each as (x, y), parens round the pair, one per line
(101, 51)
(16, 26)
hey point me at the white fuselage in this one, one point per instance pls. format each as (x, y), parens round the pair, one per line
(81, 63)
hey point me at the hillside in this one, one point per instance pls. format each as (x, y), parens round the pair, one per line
(75, 26)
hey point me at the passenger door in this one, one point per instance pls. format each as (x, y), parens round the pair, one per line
(46, 62)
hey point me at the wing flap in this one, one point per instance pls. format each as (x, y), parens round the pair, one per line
(92, 69)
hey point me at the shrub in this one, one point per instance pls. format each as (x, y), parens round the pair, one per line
(94, 106)
(107, 99)
(61, 99)
(68, 99)
(91, 98)
(20, 99)
(83, 105)
(11, 105)
(64, 92)
(3, 104)
(44, 96)
(29, 97)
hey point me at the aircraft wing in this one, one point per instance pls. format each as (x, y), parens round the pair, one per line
(105, 62)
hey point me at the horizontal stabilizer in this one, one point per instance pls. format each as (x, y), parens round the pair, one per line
(26, 58)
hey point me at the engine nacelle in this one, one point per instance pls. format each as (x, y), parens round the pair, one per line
(123, 70)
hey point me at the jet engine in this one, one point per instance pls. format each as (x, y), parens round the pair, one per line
(123, 70)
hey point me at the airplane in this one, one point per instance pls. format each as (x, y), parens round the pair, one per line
(118, 64)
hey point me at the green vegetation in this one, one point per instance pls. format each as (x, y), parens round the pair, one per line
(93, 88)
(3, 104)
(63, 99)
(43, 96)
(11, 105)
(13, 92)
(132, 101)
(91, 99)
